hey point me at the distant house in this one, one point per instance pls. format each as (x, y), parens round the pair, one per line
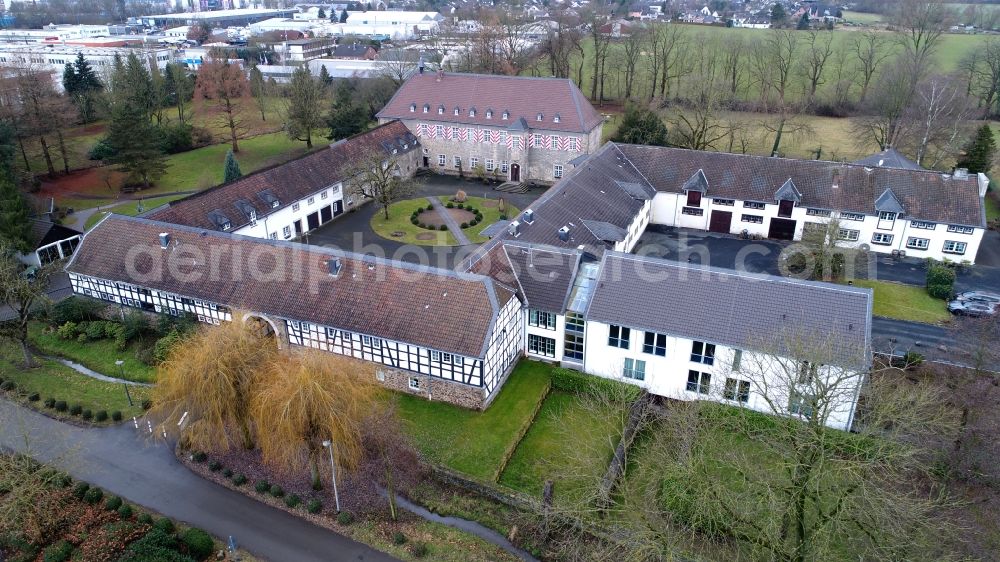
(354, 50)
(618, 28)
(50, 242)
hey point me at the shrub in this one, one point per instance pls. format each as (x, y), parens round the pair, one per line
(227, 473)
(240, 479)
(146, 355)
(50, 402)
(125, 511)
(262, 486)
(199, 543)
(8, 385)
(76, 409)
(199, 456)
(398, 538)
(314, 506)
(82, 338)
(34, 397)
(93, 496)
(102, 150)
(87, 414)
(147, 404)
(503, 216)
(940, 281)
(145, 518)
(101, 415)
(276, 491)
(460, 206)
(176, 138)
(465, 225)
(162, 347)
(95, 330)
(80, 490)
(165, 525)
(443, 227)
(419, 549)
(215, 466)
(112, 503)
(569, 380)
(75, 309)
(414, 220)
(460, 196)
(58, 552)
(60, 406)
(116, 416)
(345, 518)
(450, 205)
(293, 501)
(156, 546)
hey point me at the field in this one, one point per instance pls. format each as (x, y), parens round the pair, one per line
(399, 221)
(97, 355)
(905, 302)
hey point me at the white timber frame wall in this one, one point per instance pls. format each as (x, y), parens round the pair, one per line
(149, 300)
(310, 212)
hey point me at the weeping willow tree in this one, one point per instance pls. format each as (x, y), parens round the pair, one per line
(309, 397)
(210, 376)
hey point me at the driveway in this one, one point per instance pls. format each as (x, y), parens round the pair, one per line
(351, 231)
(125, 463)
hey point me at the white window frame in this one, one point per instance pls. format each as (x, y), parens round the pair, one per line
(490, 165)
(324, 195)
(442, 160)
(923, 225)
(848, 234)
(882, 239)
(557, 171)
(457, 161)
(414, 383)
(473, 162)
(918, 243)
(961, 229)
(574, 143)
(954, 247)
(634, 369)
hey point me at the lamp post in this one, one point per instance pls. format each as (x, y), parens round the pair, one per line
(333, 467)
(121, 374)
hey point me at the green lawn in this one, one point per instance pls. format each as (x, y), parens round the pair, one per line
(470, 441)
(53, 380)
(905, 302)
(992, 207)
(97, 355)
(399, 221)
(569, 444)
(862, 17)
(131, 208)
(491, 214)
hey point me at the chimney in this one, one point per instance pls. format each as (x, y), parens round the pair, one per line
(421, 64)
(564, 233)
(334, 266)
(984, 184)
(440, 75)
(164, 240)
(961, 173)
(529, 216)
(513, 229)
(836, 179)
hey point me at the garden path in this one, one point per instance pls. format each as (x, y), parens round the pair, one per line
(453, 226)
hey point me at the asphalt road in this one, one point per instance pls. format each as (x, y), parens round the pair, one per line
(122, 462)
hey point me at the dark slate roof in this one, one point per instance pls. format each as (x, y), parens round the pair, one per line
(889, 158)
(542, 276)
(426, 306)
(494, 229)
(606, 231)
(788, 192)
(597, 191)
(925, 195)
(697, 182)
(287, 183)
(523, 97)
(888, 202)
(45, 232)
(731, 308)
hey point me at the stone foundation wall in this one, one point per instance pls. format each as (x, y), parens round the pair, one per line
(432, 388)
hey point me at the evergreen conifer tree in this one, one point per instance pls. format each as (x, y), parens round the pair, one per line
(232, 172)
(979, 153)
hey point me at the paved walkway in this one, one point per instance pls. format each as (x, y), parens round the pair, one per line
(144, 472)
(94, 374)
(453, 226)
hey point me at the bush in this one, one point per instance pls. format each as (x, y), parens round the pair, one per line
(227, 473)
(116, 416)
(95, 330)
(240, 479)
(176, 138)
(82, 338)
(262, 486)
(147, 404)
(293, 501)
(8, 385)
(450, 205)
(87, 414)
(503, 216)
(276, 491)
(67, 331)
(75, 309)
(125, 511)
(414, 221)
(156, 546)
(569, 380)
(93, 496)
(345, 518)
(163, 345)
(34, 397)
(60, 406)
(50, 402)
(215, 466)
(146, 355)
(58, 552)
(443, 227)
(76, 410)
(940, 281)
(314, 506)
(101, 415)
(145, 519)
(102, 150)
(165, 525)
(465, 225)
(199, 543)
(419, 549)
(112, 503)
(460, 206)
(398, 538)
(199, 456)
(80, 490)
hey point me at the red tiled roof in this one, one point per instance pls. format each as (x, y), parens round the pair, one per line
(287, 182)
(425, 306)
(521, 96)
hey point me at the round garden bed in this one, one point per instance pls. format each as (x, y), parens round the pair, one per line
(431, 219)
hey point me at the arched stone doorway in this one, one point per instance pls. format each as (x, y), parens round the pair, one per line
(263, 327)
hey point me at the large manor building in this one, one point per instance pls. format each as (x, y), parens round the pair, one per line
(559, 282)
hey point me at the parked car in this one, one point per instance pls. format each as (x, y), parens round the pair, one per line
(972, 308)
(978, 296)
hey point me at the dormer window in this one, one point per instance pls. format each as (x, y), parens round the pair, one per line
(457, 110)
(413, 107)
(227, 225)
(489, 114)
(506, 115)
(274, 204)
(472, 112)
(253, 217)
(538, 117)
(556, 118)
(427, 108)
(440, 110)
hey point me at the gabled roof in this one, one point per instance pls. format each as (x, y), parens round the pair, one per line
(425, 306)
(697, 182)
(639, 191)
(523, 97)
(888, 202)
(889, 158)
(43, 233)
(606, 231)
(732, 308)
(788, 192)
(286, 183)
(541, 275)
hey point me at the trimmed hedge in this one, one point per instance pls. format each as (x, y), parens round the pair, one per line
(93, 496)
(199, 543)
(116, 416)
(569, 380)
(940, 281)
(314, 506)
(112, 503)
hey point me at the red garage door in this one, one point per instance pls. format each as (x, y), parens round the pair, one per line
(721, 221)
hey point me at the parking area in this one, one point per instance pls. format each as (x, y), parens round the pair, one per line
(352, 231)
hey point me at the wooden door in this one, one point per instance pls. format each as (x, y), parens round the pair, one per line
(720, 221)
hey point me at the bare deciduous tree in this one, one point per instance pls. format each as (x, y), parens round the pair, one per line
(381, 179)
(226, 85)
(22, 294)
(871, 48)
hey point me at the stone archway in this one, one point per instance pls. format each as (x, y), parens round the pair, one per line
(264, 327)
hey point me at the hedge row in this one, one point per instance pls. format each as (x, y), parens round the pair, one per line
(569, 380)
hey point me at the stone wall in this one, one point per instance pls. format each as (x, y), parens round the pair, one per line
(433, 388)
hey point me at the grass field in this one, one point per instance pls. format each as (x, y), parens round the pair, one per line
(470, 441)
(399, 221)
(97, 355)
(53, 380)
(131, 208)
(569, 444)
(905, 302)
(491, 214)
(992, 207)
(863, 18)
